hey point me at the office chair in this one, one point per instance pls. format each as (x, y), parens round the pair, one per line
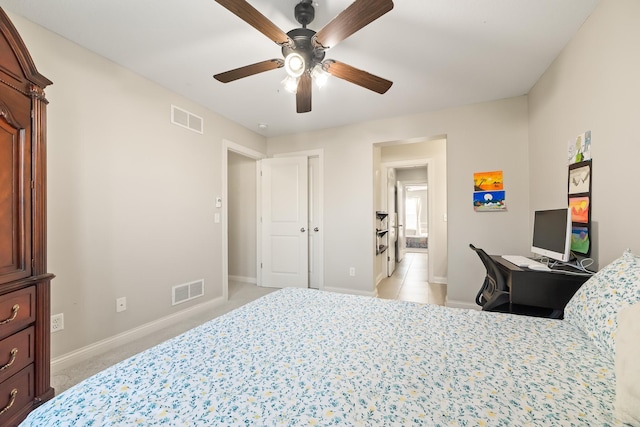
(494, 291)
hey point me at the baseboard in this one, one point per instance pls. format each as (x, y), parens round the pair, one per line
(462, 304)
(100, 347)
(373, 293)
(440, 279)
(243, 279)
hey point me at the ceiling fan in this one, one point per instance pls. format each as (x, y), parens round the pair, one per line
(304, 49)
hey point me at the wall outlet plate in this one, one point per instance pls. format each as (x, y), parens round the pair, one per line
(57, 322)
(121, 304)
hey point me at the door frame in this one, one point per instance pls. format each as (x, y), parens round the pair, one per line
(252, 154)
(402, 164)
(319, 153)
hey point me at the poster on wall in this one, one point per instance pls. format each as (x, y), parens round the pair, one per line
(488, 192)
(579, 149)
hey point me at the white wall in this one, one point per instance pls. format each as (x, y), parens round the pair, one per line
(241, 174)
(593, 85)
(481, 137)
(131, 197)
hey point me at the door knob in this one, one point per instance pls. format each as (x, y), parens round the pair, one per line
(302, 230)
(316, 229)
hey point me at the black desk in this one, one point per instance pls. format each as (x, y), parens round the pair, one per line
(539, 293)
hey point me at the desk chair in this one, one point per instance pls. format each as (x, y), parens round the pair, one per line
(494, 291)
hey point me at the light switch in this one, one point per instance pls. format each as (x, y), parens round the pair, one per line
(216, 217)
(218, 202)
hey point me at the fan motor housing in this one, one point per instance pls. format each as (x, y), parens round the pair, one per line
(302, 45)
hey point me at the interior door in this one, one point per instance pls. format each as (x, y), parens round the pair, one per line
(315, 224)
(402, 242)
(284, 230)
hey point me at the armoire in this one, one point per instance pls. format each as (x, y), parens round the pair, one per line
(24, 281)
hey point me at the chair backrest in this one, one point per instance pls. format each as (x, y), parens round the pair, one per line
(494, 284)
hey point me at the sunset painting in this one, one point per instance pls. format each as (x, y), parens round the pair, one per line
(487, 181)
(579, 209)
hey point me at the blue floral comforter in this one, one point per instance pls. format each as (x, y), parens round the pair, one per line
(303, 357)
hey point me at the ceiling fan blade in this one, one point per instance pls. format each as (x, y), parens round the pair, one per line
(355, 17)
(303, 94)
(251, 16)
(356, 76)
(249, 70)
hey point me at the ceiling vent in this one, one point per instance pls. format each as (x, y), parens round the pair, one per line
(185, 119)
(187, 292)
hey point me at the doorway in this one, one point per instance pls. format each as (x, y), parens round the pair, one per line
(246, 222)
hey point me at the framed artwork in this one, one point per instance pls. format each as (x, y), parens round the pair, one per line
(580, 178)
(580, 242)
(488, 181)
(487, 201)
(579, 209)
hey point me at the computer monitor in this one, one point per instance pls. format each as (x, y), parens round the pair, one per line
(552, 234)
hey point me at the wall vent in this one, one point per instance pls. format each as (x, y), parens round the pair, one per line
(185, 119)
(187, 291)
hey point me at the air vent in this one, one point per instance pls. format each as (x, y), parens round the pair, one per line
(185, 119)
(187, 292)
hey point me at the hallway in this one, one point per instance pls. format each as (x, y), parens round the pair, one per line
(409, 282)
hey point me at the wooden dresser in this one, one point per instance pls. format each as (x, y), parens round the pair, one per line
(24, 281)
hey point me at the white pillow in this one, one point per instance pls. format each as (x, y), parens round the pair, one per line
(595, 307)
(627, 361)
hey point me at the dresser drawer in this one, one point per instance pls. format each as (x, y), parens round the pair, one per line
(17, 310)
(16, 352)
(16, 394)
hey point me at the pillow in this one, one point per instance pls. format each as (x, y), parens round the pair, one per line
(627, 403)
(594, 308)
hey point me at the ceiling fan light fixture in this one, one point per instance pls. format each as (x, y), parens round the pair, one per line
(290, 84)
(294, 64)
(319, 75)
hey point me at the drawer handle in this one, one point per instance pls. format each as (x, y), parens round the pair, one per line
(16, 307)
(14, 392)
(13, 359)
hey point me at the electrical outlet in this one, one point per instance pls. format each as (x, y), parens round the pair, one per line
(57, 322)
(121, 304)
(352, 272)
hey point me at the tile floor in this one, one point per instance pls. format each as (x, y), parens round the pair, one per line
(409, 282)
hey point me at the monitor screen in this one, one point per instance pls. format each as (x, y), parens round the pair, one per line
(552, 234)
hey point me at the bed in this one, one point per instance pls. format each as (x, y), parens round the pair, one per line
(307, 357)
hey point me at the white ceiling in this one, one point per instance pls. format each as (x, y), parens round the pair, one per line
(438, 53)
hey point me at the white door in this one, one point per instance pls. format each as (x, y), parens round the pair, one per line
(393, 223)
(402, 242)
(315, 224)
(285, 234)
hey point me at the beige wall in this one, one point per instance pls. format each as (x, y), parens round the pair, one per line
(131, 197)
(593, 85)
(482, 137)
(242, 218)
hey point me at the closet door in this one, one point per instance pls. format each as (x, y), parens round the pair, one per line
(15, 199)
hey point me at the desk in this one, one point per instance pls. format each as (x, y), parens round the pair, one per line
(550, 290)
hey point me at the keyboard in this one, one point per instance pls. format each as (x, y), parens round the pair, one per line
(522, 261)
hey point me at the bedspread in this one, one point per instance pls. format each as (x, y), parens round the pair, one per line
(306, 357)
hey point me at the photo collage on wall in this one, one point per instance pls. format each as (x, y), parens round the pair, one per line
(488, 192)
(579, 193)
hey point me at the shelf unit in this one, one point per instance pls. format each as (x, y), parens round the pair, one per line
(381, 232)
